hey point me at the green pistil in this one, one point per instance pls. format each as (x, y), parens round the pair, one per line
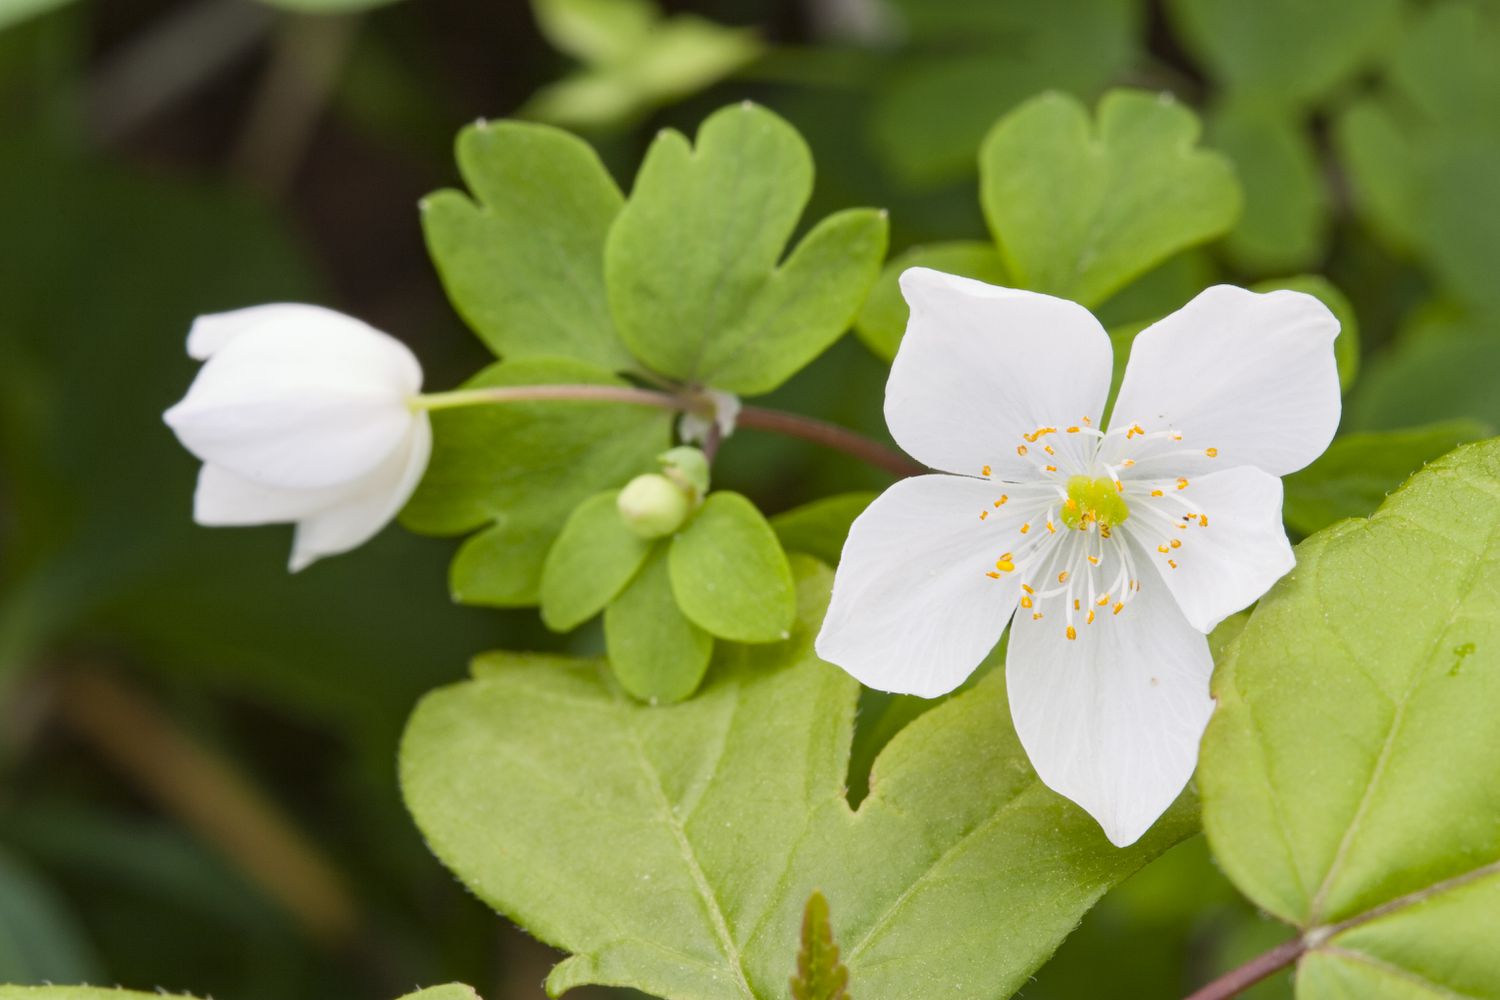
(1093, 501)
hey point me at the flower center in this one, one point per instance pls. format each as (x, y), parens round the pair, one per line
(1094, 501)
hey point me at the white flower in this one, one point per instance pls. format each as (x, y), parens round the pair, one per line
(302, 414)
(1111, 552)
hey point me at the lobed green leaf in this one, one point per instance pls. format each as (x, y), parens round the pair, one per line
(729, 574)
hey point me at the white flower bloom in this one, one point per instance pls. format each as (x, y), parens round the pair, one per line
(1112, 552)
(302, 414)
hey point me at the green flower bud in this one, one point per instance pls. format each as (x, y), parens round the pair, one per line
(688, 468)
(653, 506)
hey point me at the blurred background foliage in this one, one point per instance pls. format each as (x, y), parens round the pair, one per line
(197, 750)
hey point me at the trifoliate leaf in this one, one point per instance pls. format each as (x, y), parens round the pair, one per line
(1349, 773)
(523, 258)
(882, 321)
(692, 261)
(820, 974)
(1080, 208)
(592, 560)
(672, 849)
(1358, 471)
(1284, 225)
(658, 655)
(518, 469)
(1285, 51)
(635, 60)
(819, 528)
(729, 573)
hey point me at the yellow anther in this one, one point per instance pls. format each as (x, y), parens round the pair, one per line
(1117, 608)
(983, 514)
(1026, 602)
(1070, 504)
(993, 575)
(1051, 468)
(1172, 563)
(1094, 560)
(1090, 619)
(1020, 449)
(1162, 549)
(1027, 589)
(1025, 528)
(1051, 528)
(1119, 486)
(1062, 577)
(1048, 449)
(1087, 421)
(1127, 463)
(1103, 531)
(1036, 616)
(1072, 632)
(1004, 564)
(1176, 543)
(985, 471)
(1203, 520)
(1102, 601)
(1072, 430)
(1001, 501)
(1182, 484)
(1156, 493)
(1077, 604)
(1212, 452)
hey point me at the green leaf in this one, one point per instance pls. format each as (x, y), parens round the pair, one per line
(1079, 210)
(972, 62)
(523, 260)
(729, 573)
(1357, 471)
(1431, 378)
(15, 11)
(692, 260)
(672, 849)
(1286, 51)
(1346, 344)
(630, 71)
(40, 939)
(658, 655)
(1349, 773)
(592, 560)
(520, 468)
(882, 321)
(1284, 226)
(450, 992)
(820, 974)
(819, 528)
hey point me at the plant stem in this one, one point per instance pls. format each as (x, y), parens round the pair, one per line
(757, 417)
(1236, 981)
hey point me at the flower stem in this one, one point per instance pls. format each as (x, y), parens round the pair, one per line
(1236, 981)
(757, 417)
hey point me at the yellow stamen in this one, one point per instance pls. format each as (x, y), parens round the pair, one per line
(1072, 632)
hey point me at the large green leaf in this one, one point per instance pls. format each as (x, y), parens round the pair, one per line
(523, 261)
(1080, 209)
(592, 560)
(658, 655)
(1285, 51)
(1351, 774)
(672, 849)
(452, 991)
(518, 469)
(692, 267)
(1357, 471)
(729, 573)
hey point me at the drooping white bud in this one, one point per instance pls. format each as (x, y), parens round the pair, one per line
(301, 414)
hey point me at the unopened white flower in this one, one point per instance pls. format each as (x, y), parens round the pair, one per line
(1112, 552)
(302, 414)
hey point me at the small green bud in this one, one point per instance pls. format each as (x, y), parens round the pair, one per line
(688, 468)
(653, 506)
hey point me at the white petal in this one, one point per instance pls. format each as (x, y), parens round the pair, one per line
(209, 333)
(1112, 719)
(980, 366)
(224, 499)
(912, 609)
(310, 401)
(1229, 557)
(1251, 375)
(380, 498)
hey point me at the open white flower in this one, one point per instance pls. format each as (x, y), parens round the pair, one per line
(1112, 552)
(302, 414)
